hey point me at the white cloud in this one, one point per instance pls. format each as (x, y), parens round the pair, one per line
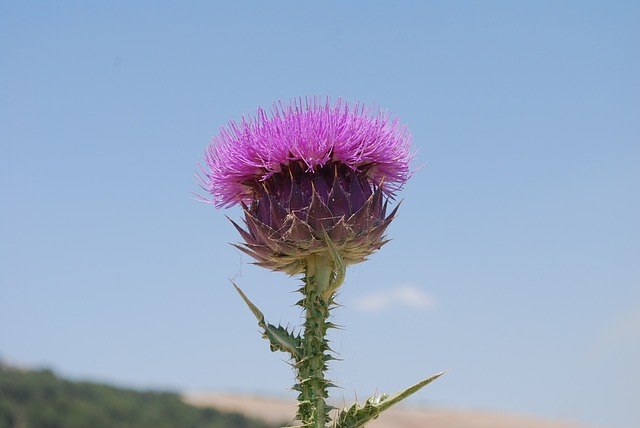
(403, 295)
(372, 302)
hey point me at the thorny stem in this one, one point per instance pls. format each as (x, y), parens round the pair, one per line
(313, 410)
(324, 274)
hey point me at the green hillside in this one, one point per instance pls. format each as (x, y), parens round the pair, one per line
(40, 399)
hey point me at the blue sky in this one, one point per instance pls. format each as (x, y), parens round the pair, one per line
(515, 258)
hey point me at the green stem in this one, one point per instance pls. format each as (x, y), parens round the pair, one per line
(313, 410)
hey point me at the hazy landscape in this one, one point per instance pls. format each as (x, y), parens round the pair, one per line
(275, 411)
(38, 398)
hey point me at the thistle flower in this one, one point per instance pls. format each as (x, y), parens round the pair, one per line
(309, 176)
(314, 181)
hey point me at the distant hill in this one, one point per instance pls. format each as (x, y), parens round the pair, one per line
(40, 399)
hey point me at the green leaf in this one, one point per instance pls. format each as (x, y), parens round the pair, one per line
(280, 339)
(356, 416)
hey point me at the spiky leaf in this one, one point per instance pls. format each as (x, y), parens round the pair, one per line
(356, 416)
(280, 339)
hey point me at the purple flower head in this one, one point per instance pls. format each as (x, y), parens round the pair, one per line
(306, 173)
(246, 154)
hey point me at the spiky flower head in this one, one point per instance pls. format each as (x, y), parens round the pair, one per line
(308, 173)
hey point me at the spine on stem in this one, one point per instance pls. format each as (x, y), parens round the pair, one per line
(313, 411)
